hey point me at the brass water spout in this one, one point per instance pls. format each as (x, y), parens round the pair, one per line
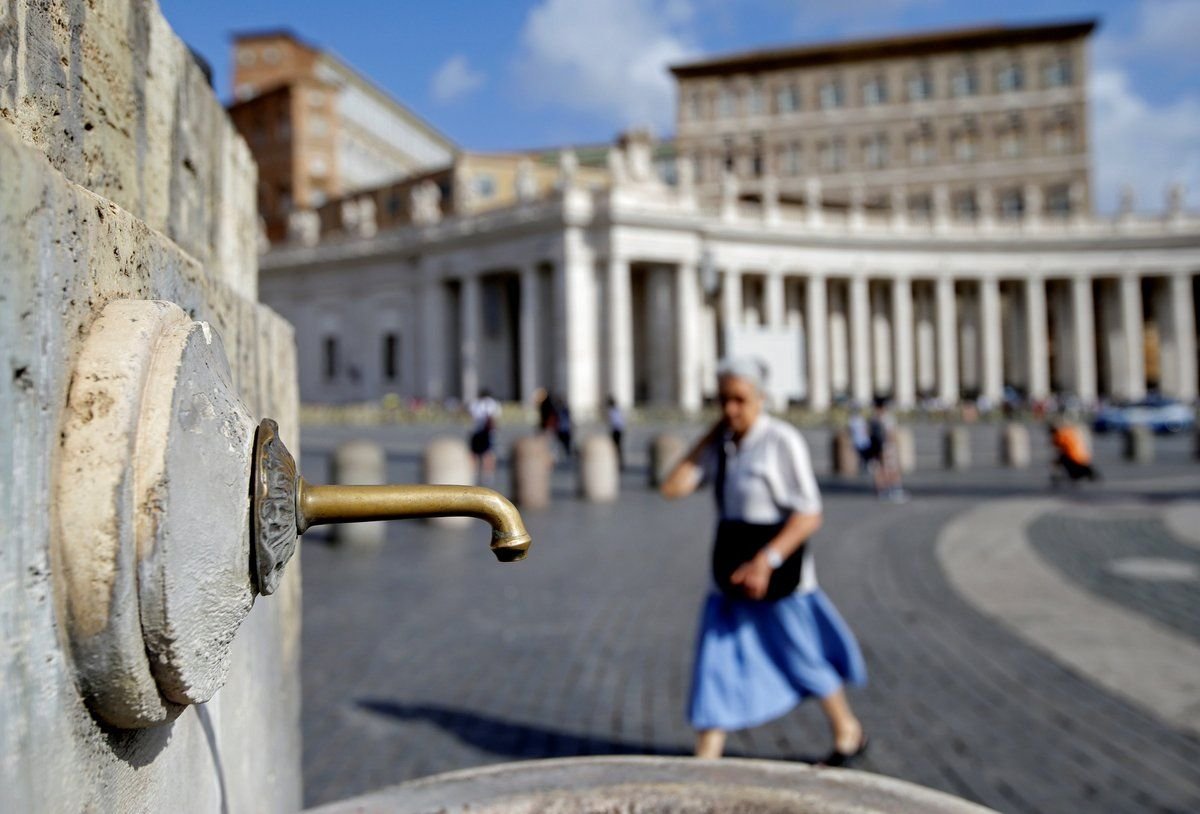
(317, 505)
(285, 506)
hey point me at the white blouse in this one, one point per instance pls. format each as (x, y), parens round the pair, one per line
(767, 477)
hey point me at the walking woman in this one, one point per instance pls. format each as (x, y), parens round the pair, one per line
(769, 637)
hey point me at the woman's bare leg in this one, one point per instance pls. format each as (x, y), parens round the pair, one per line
(847, 730)
(710, 743)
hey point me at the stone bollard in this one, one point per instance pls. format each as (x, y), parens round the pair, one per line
(843, 457)
(447, 461)
(359, 463)
(1138, 445)
(956, 448)
(665, 452)
(532, 464)
(906, 449)
(599, 474)
(1014, 445)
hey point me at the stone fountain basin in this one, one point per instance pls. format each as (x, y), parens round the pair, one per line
(653, 785)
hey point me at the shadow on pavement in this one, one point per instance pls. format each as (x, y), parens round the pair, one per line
(509, 738)
(522, 741)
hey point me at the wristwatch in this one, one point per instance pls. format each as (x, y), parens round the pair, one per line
(773, 558)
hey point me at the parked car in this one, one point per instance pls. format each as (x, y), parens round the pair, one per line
(1161, 415)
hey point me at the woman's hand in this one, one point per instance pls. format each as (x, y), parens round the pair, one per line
(754, 576)
(685, 477)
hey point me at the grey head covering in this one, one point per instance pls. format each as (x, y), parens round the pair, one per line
(746, 368)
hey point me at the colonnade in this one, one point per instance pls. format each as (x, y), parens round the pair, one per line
(590, 326)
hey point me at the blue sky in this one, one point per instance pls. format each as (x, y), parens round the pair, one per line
(527, 73)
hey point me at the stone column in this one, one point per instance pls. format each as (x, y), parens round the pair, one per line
(903, 374)
(575, 306)
(433, 336)
(860, 348)
(947, 341)
(993, 340)
(1182, 332)
(468, 320)
(662, 317)
(620, 331)
(817, 339)
(731, 306)
(531, 377)
(1037, 347)
(776, 304)
(1133, 346)
(925, 339)
(882, 338)
(1085, 338)
(687, 335)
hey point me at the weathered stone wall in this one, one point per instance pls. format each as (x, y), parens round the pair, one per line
(120, 177)
(106, 90)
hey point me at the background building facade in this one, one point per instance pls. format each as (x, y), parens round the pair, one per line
(628, 281)
(993, 118)
(318, 129)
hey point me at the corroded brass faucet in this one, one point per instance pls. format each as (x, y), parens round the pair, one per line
(285, 505)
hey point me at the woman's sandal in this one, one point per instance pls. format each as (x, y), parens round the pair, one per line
(838, 758)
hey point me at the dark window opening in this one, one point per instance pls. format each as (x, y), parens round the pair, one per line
(391, 357)
(329, 356)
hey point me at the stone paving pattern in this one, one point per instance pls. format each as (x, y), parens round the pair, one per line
(426, 655)
(1175, 604)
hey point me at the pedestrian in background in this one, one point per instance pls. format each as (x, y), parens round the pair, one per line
(562, 424)
(616, 425)
(1071, 455)
(769, 637)
(484, 410)
(883, 456)
(860, 437)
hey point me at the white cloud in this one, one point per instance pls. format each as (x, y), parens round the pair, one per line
(853, 17)
(1146, 146)
(455, 79)
(1136, 141)
(1165, 32)
(606, 57)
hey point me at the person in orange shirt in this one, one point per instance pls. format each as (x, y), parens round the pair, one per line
(1072, 455)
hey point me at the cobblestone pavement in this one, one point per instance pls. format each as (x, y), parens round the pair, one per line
(426, 655)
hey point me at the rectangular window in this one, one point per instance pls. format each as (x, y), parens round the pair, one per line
(1058, 200)
(920, 87)
(965, 206)
(833, 155)
(964, 81)
(787, 99)
(920, 207)
(875, 151)
(792, 163)
(391, 357)
(485, 185)
(1011, 78)
(966, 145)
(725, 103)
(831, 94)
(1057, 73)
(874, 91)
(329, 357)
(1012, 204)
(756, 101)
(1060, 138)
(921, 150)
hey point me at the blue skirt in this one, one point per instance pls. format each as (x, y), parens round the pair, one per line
(757, 660)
